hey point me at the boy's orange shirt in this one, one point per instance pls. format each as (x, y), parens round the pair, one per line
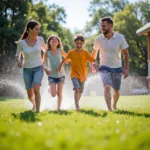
(78, 62)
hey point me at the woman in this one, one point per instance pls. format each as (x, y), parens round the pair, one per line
(30, 45)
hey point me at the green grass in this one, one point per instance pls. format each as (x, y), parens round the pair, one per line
(127, 128)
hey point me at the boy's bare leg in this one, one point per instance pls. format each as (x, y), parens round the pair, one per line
(115, 98)
(77, 98)
(107, 96)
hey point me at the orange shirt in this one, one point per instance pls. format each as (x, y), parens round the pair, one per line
(78, 62)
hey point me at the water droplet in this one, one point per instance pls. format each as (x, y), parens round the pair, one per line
(117, 131)
(40, 124)
(117, 121)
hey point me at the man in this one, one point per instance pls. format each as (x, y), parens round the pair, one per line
(111, 44)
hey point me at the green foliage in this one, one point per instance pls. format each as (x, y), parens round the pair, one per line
(127, 128)
(102, 8)
(127, 24)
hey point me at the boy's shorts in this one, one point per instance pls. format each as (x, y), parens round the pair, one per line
(111, 76)
(53, 80)
(32, 76)
(78, 84)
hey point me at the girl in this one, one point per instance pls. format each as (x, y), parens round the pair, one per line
(30, 45)
(54, 56)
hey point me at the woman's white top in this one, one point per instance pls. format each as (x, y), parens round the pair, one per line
(31, 55)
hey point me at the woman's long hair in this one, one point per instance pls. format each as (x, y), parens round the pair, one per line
(59, 42)
(31, 24)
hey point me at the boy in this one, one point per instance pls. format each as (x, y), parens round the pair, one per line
(78, 71)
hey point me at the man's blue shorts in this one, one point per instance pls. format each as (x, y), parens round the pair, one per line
(111, 76)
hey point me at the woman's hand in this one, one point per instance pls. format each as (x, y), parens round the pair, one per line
(20, 64)
(48, 72)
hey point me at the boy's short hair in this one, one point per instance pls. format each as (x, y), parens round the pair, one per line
(78, 37)
(108, 19)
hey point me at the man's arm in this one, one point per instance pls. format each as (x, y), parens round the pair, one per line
(94, 54)
(126, 63)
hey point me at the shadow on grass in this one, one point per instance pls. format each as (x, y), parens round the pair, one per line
(130, 113)
(27, 116)
(61, 112)
(10, 98)
(3, 99)
(93, 113)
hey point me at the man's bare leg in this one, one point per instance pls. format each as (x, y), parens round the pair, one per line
(115, 98)
(107, 96)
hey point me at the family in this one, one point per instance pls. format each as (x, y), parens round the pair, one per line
(109, 44)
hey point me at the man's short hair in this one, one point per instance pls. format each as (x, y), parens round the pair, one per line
(108, 19)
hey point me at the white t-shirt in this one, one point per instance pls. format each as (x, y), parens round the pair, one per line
(31, 55)
(110, 49)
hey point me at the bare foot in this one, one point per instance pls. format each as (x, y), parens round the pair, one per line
(37, 112)
(34, 108)
(109, 109)
(49, 90)
(78, 108)
(114, 107)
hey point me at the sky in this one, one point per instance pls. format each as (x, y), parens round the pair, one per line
(77, 12)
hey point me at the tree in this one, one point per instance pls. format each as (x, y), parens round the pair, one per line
(12, 17)
(102, 8)
(127, 23)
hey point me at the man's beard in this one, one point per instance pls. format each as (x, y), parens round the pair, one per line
(105, 32)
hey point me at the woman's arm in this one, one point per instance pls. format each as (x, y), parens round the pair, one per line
(20, 63)
(18, 55)
(44, 65)
(43, 45)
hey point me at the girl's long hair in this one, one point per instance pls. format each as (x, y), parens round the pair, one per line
(59, 42)
(31, 24)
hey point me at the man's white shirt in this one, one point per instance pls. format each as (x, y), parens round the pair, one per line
(110, 49)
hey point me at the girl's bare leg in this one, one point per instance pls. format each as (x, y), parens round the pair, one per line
(59, 93)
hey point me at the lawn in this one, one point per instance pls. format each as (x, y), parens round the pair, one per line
(90, 129)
